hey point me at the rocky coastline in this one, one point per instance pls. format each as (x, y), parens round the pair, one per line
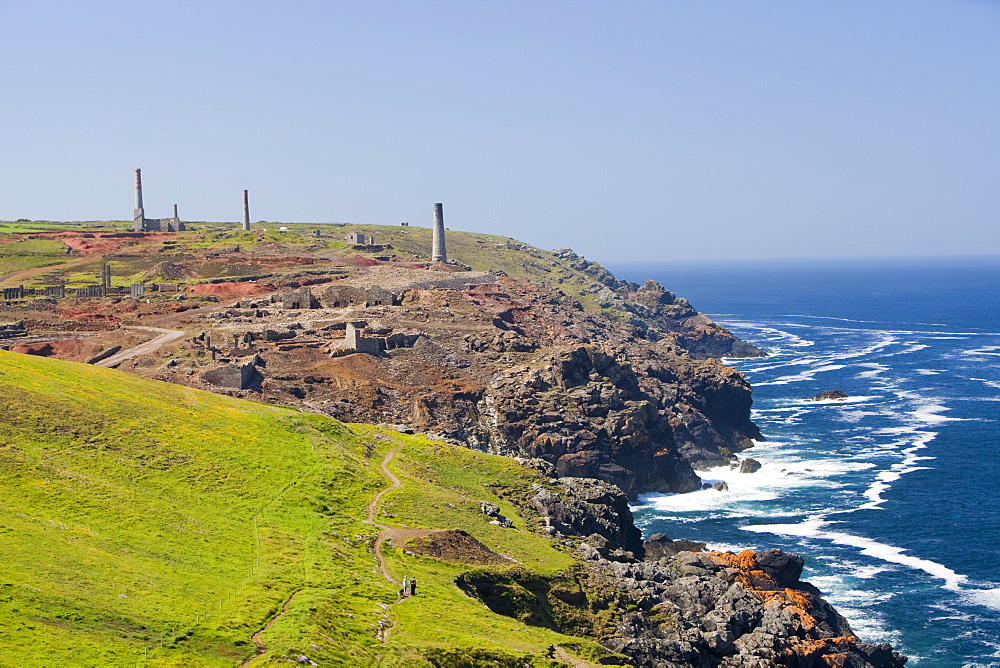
(670, 604)
(611, 388)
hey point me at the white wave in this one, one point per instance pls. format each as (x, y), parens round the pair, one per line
(988, 383)
(929, 372)
(857, 416)
(746, 491)
(867, 572)
(928, 414)
(787, 337)
(727, 547)
(989, 598)
(812, 527)
(919, 441)
(912, 347)
(808, 374)
(875, 371)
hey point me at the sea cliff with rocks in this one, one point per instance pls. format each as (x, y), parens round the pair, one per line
(610, 388)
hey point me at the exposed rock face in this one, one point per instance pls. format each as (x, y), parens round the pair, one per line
(678, 608)
(725, 609)
(693, 331)
(592, 412)
(591, 507)
(659, 545)
(749, 466)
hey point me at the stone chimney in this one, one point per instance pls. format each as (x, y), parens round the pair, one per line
(438, 253)
(139, 213)
(246, 211)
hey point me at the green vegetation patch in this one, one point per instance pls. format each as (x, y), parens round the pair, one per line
(150, 523)
(448, 623)
(30, 253)
(143, 520)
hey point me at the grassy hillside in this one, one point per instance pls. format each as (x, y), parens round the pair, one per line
(147, 523)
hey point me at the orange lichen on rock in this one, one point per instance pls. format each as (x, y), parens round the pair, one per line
(747, 571)
(823, 649)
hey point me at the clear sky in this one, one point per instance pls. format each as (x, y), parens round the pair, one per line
(639, 130)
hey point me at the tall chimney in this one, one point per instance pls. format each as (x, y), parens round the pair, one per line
(438, 253)
(176, 217)
(138, 192)
(246, 211)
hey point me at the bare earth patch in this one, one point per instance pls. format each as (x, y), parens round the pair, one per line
(454, 545)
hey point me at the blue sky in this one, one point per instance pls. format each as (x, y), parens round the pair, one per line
(629, 130)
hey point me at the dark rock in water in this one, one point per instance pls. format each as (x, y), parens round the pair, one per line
(720, 487)
(749, 466)
(829, 394)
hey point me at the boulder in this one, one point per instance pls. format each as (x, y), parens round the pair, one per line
(659, 545)
(749, 466)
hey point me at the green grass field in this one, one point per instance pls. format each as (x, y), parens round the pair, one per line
(30, 253)
(144, 523)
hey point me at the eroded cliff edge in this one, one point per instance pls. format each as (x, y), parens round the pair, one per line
(670, 604)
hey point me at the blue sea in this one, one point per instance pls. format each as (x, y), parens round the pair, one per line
(892, 495)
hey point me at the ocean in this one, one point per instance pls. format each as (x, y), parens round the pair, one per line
(891, 495)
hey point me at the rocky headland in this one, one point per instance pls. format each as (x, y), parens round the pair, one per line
(611, 388)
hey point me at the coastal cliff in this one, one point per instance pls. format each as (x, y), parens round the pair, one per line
(609, 388)
(670, 604)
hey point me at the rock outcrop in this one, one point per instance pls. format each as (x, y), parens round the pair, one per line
(595, 510)
(723, 609)
(681, 606)
(643, 425)
(828, 395)
(694, 332)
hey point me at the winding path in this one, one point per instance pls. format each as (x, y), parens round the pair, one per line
(384, 533)
(166, 336)
(373, 509)
(261, 647)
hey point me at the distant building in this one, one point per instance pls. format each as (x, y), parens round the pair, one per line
(143, 224)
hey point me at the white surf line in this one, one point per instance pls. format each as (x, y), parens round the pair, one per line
(884, 479)
(979, 352)
(808, 374)
(831, 361)
(812, 527)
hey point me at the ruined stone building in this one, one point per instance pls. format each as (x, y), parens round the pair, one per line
(341, 296)
(296, 299)
(357, 342)
(143, 224)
